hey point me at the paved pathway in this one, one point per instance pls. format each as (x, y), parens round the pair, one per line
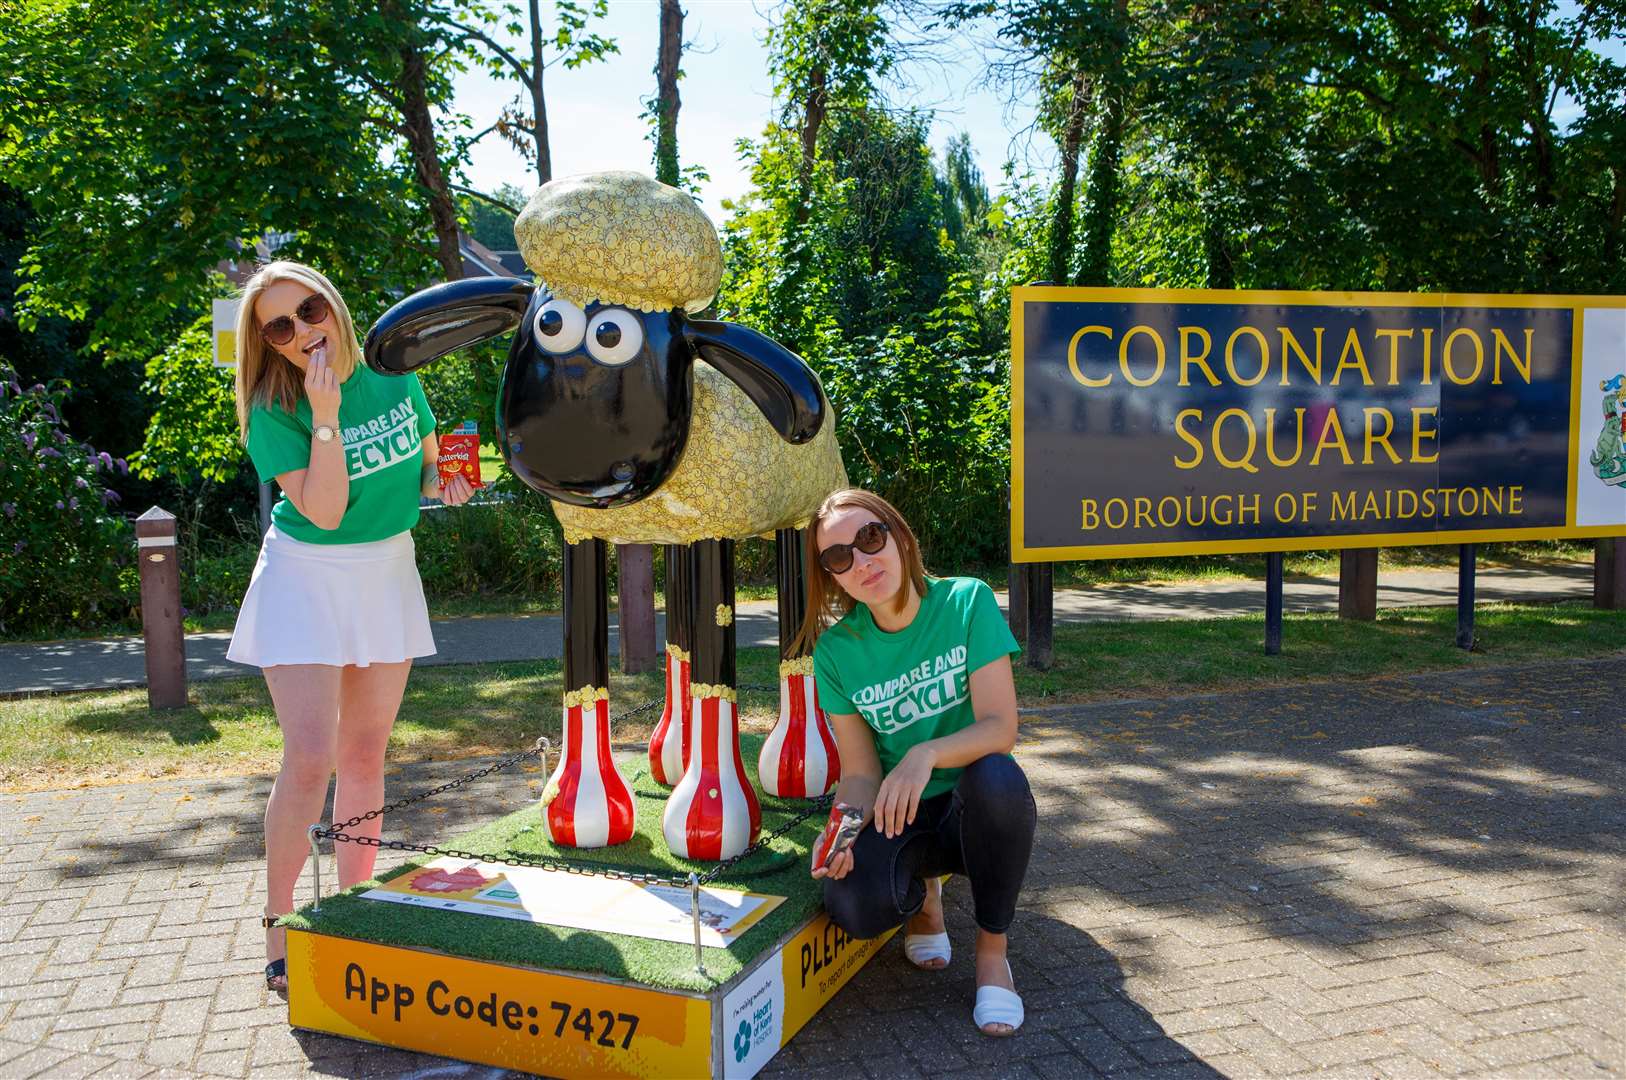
(1404, 877)
(115, 662)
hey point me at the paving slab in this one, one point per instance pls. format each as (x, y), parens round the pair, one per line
(110, 663)
(1412, 876)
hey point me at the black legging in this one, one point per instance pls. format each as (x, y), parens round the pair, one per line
(983, 828)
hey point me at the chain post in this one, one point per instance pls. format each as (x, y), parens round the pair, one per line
(316, 869)
(694, 913)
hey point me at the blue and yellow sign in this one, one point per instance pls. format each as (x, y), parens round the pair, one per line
(1166, 422)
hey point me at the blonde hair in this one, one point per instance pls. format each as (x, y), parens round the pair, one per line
(827, 601)
(264, 375)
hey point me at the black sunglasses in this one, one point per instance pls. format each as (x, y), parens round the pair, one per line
(838, 558)
(311, 310)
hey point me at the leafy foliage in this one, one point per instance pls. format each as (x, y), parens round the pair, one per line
(192, 431)
(62, 547)
(850, 263)
(161, 138)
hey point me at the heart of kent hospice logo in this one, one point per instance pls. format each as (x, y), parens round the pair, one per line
(742, 1041)
(928, 689)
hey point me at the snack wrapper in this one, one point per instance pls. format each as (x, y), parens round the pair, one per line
(460, 454)
(839, 833)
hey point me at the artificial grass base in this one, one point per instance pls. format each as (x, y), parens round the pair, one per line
(778, 869)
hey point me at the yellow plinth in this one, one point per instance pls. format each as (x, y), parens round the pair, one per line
(568, 1024)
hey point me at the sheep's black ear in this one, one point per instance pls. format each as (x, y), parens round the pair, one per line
(777, 380)
(429, 324)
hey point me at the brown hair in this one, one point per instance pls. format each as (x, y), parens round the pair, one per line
(827, 601)
(265, 375)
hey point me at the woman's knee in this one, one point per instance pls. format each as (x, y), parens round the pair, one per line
(998, 783)
(306, 767)
(860, 908)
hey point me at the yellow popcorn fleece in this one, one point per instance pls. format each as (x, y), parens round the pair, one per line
(621, 238)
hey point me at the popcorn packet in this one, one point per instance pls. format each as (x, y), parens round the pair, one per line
(460, 454)
(845, 823)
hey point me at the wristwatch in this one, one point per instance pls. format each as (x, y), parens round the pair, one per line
(324, 433)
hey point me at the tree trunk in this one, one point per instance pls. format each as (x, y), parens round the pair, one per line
(666, 92)
(1061, 228)
(1217, 243)
(419, 127)
(1486, 160)
(812, 120)
(539, 103)
(1101, 217)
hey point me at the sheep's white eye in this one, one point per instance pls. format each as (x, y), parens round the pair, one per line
(614, 336)
(559, 325)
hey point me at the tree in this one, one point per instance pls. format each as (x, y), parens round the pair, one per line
(153, 140)
(667, 103)
(825, 54)
(490, 218)
(1079, 56)
(527, 132)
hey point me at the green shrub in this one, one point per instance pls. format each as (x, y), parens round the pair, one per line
(62, 548)
(511, 548)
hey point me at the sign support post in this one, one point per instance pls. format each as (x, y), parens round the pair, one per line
(1273, 603)
(1609, 573)
(1358, 584)
(1041, 616)
(1465, 597)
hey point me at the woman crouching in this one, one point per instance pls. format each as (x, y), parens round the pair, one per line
(915, 675)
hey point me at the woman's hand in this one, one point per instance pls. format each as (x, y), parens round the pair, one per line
(839, 866)
(456, 491)
(322, 390)
(899, 796)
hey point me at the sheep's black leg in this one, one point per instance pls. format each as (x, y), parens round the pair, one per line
(713, 812)
(790, 544)
(587, 803)
(587, 615)
(713, 612)
(669, 744)
(799, 757)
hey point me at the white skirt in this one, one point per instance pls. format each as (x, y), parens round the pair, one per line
(338, 604)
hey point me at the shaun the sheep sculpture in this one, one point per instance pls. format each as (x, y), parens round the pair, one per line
(646, 426)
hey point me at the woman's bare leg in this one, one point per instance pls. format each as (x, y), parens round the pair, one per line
(369, 698)
(929, 919)
(993, 969)
(306, 697)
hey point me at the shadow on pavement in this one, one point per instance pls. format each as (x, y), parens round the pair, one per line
(1297, 811)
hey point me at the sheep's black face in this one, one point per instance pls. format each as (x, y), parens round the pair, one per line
(594, 404)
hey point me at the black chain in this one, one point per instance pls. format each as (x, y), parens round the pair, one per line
(332, 831)
(337, 834)
(642, 877)
(822, 803)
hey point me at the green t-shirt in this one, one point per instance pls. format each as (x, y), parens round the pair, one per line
(914, 685)
(383, 420)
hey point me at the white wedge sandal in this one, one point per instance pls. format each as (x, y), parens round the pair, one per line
(929, 952)
(997, 1005)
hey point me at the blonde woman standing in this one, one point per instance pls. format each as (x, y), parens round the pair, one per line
(334, 613)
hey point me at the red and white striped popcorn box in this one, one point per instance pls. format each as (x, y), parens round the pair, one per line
(586, 803)
(712, 813)
(799, 758)
(669, 745)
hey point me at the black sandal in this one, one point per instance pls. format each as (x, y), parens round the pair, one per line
(276, 969)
